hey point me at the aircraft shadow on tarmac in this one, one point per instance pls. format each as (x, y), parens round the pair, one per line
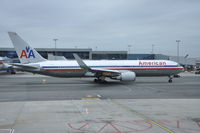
(89, 82)
(76, 82)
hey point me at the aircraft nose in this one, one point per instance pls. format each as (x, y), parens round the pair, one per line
(182, 69)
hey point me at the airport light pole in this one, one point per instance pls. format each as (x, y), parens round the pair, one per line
(129, 48)
(55, 47)
(129, 51)
(186, 61)
(178, 41)
(152, 50)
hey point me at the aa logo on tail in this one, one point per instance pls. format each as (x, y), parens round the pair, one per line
(27, 53)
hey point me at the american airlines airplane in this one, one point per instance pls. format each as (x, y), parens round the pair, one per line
(123, 70)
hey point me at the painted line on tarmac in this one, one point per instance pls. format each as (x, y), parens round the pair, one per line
(99, 96)
(142, 116)
(90, 99)
(8, 130)
(5, 100)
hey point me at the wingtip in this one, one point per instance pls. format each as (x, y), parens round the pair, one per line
(74, 54)
(13, 33)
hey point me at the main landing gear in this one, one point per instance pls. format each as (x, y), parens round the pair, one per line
(100, 80)
(170, 79)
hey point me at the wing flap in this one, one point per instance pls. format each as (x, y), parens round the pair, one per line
(105, 72)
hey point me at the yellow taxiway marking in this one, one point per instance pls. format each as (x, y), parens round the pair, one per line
(90, 98)
(142, 116)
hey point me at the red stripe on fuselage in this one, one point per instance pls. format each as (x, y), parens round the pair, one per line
(146, 69)
(65, 69)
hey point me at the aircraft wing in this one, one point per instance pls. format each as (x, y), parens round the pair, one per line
(81, 63)
(97, 71)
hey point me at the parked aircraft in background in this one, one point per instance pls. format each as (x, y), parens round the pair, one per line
(5, 67)
(123, 70)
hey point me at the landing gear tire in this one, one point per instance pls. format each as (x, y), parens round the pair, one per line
(12, 72)
(95, 80)
(98, 80)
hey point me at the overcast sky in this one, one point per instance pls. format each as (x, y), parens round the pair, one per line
(105, 24)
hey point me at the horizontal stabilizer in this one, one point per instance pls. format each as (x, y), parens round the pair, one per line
(25, 66)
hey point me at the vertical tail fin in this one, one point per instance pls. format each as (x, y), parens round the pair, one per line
(25, 53)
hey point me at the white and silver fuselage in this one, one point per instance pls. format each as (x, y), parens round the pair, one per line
(140, 67)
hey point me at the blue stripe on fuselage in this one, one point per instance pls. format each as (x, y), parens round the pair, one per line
(106, 66)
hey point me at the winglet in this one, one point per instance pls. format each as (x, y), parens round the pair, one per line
(80, 62)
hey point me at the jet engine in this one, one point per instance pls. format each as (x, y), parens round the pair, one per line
(126, 76)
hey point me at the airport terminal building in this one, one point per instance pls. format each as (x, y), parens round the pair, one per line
(86, 53)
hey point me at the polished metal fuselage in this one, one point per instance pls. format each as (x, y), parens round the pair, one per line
(140, 67)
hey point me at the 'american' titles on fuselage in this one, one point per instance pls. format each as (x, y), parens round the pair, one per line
(152, 63)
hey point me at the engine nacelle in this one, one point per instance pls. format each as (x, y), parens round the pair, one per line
(127, 76)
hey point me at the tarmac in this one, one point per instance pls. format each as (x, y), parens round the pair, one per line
(40, 104)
